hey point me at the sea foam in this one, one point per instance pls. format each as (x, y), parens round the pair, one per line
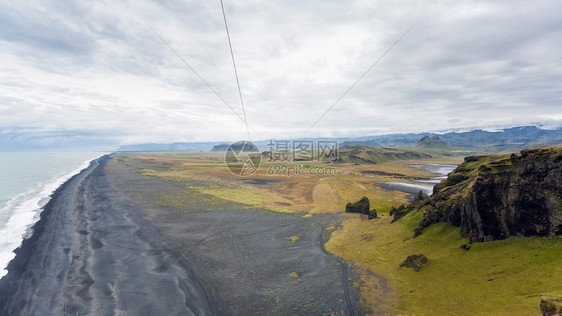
(25, 209)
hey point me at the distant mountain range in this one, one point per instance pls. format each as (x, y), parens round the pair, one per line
(507, 140)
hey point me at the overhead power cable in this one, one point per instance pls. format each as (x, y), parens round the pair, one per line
(358, 80)
(200, 78)
(235, 69)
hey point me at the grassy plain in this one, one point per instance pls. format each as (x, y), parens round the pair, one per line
(307, 192)
(504, 277)
(500, 278)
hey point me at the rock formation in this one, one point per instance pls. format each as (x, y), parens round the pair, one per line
(362, 207)
(414, 261)
(550, 306)
(496, 196)
(372, 214)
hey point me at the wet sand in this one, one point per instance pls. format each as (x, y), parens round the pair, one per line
(104, 246)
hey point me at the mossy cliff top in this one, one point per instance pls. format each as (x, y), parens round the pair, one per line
(496, 196)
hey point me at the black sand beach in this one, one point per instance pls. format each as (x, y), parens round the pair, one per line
(103, 247)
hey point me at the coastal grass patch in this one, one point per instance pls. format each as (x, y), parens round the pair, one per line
(187, 200)
(350, 188)
(227, 189)
(251, 196)
(294, 239)
(504, 277)
(297, 193)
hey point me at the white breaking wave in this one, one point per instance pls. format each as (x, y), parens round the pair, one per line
(25, 210)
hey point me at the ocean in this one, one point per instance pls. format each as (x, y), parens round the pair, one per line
(27, 180)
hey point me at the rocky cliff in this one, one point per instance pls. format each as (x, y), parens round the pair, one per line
(497, 196)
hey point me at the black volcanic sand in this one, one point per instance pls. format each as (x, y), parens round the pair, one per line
(93, 253)
(108, 244)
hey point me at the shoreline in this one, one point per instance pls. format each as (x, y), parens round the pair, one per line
(17, 266)
(35, 230)
(100, 249)
(62, 268)
(26, 207)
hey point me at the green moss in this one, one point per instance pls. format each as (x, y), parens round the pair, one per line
(148, 172)
(294, 239)
(412, 219)
(383, 209)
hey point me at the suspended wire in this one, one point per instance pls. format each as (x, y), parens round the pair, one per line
(241, 98)
(360, 78)
(235, 68)
(199, 76)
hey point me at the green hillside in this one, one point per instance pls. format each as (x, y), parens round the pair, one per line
(370, 154)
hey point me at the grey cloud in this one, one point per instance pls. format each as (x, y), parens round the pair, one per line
(41, 30)
(98, 67)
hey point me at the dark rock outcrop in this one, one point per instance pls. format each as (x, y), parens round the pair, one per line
(550, 306)
(362, 206)
(497, 196)
(414, 261)
(420, 196)
(392, 211)
(397, 213)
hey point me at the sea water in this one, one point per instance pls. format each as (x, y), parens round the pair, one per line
(27, 181)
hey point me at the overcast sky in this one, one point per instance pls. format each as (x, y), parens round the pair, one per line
(94, 71)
